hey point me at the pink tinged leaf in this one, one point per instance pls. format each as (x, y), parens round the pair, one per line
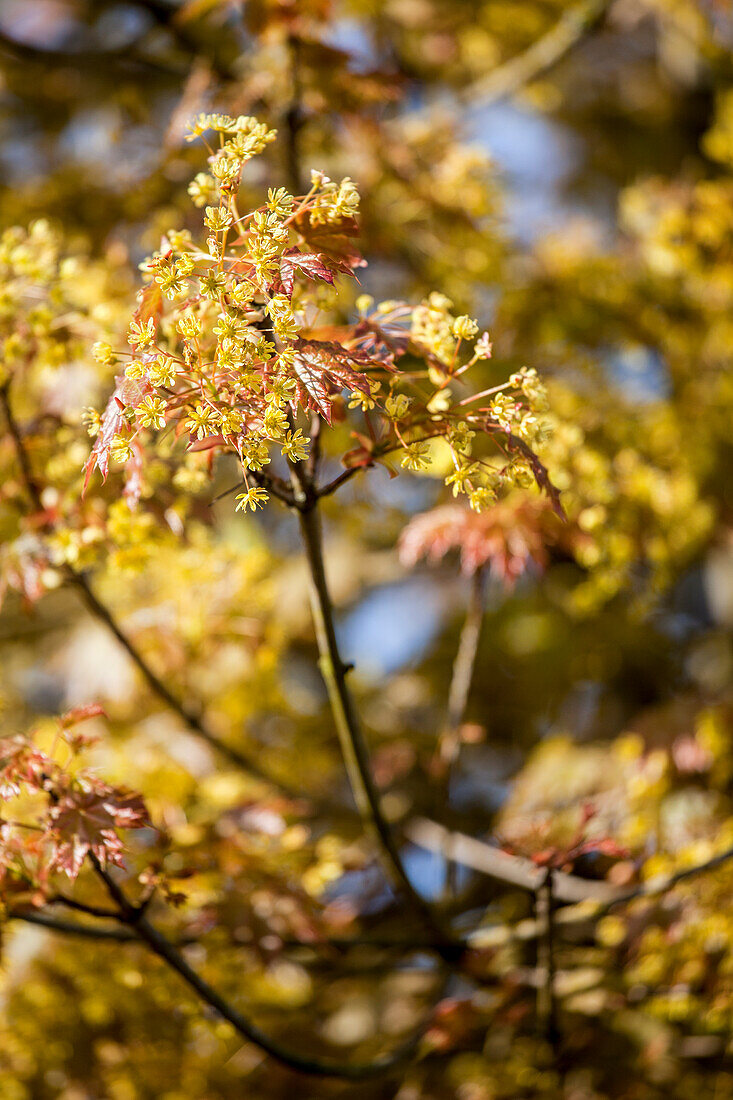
(21, 764)
(126, 392)
(309, 264)
(133, 487)
(312, 391)
(507, 536)
(81, 714)
(322, 368)
(383, 343)
(25, 575)
(206, 444)
(151, 304)
(86, 821)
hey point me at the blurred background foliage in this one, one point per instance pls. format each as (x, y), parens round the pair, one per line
(562, 172)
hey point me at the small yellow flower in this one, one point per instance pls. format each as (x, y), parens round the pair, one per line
(189, 326)
(364, 303)
(464, 327)
(218, 218)
(203, 421)
(397, 405)
(151, 413)
(416, 456)
(254, 498)
(92, 421)
(142, 334)
(295, 446)
(103, 353)
(120, 449)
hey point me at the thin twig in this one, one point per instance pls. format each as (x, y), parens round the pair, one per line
(314, 457)
(517, 72)
(590, 898)
(72, 928)
(449, 742)
(504, 867)
(293, 119)
(572, 26)
(82, 907)
(272, 484)
(338, 481)
(124, 56)
(546, 1001)
(334, 671)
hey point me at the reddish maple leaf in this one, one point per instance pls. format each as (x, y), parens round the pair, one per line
(133, 487)
(508, 536)
(24, 574)
(80, 714)
(151, 304)
(310, 264)
(332, 242)
(126, 392)
(382, 342)
(324, 368)
(454, 1021)
(21, 764)
(87, 820)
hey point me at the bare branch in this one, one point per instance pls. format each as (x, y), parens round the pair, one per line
(510, 869)
(509, 78)
(338, 481)
(334, 671)
(165, 950)
(449, 742)
(546, 1000)
(72, 928)
(590, 899)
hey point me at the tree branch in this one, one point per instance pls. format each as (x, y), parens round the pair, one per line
(514, 74)
(123, 56)
(338, 481)
(72, 928)
(293, 119)
(353, 746)
(82, 907)
(546, 999)
(517, 72)
(165, 950)
(590, 899)
(449, 743)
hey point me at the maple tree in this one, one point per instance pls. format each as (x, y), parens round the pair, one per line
(217, 911)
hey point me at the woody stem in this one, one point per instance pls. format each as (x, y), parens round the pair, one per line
(348, 727)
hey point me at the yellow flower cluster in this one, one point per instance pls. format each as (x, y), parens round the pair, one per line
(220, 347)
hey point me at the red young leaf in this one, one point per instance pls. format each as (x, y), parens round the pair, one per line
(20, 764)
(309, 263)
(80, 714)
(312, 389)
(151, 304)
(133, 486)
(332, 242)
(126, 392)
(86, 821)
(359, 458)
(322, 369)
(508, 536)
(383, 343)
